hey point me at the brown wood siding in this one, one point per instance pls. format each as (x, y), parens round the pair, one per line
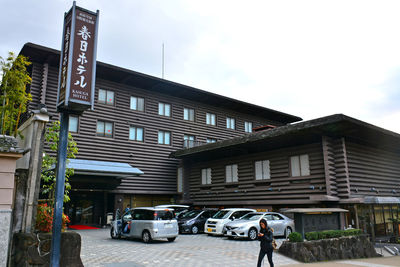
(373, 168)
(150, 157)
(280, 189)
(329, 165)
(341, 168)
(35, 87)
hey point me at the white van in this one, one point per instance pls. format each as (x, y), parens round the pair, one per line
(146, 223)
(215, 225)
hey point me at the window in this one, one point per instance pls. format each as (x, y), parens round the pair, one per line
(106, 97)
(137, 103)
(164, 109)
(262, 170)
(179, 182)
(136, 133)
(188, 141)
(188, 114)
(164, 137)
(211, 140)
(248, 127)
(210, 119)
(276, 217)
(206, 176)
(268, 217)
(231, 173)
(230, 123)
(104, 129)
(73, 124)
(300, 165)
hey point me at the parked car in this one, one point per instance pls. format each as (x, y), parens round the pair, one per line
(193, 221)
(147, 224)
(249, 225)
(215, 225)
(178, 209)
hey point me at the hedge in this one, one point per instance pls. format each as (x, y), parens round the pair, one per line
(332, 234)
(295, 237)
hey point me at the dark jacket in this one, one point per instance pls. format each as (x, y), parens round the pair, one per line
(266, 239)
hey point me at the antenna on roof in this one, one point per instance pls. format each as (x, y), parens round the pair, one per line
(162, 73)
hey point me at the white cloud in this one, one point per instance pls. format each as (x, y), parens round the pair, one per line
(307, 58)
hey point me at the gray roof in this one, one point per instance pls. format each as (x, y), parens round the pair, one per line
(102, 168)
(336, 125)
(41, 54)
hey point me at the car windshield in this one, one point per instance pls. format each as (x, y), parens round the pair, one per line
(163, 215)
(191, 214)
(251, 216)
(222, 214)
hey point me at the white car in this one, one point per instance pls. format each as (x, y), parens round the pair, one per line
(249, 225)
(215, 225)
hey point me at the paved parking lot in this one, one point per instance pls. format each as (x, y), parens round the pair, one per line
(99, 250)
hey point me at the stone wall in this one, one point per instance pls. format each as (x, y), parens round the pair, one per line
(350, 247)
(34, 250)
(5, 219)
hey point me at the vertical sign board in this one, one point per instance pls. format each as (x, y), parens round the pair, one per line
(76, 83)
(78, 60)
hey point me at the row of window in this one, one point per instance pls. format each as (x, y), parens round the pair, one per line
(137, 103)
(105, 129)
(299, 166)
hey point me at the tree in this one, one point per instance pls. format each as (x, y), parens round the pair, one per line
(14, 95)
(49, 162)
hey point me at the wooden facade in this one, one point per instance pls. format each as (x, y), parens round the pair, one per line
(351, 164)
(160, 170)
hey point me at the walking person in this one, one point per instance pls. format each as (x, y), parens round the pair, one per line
(265, 236)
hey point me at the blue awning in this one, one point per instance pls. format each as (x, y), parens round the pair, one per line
(102, 168)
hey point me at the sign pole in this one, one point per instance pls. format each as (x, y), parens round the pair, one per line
(76, 85)
(59, 194)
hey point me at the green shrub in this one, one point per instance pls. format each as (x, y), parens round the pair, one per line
(350, 232)
(332, 234)
(295, 237)
(312, 236)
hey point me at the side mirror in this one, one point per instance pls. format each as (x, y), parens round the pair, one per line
(233, 218)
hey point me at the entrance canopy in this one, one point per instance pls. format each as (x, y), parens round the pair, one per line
(315, 210)
(102, 168)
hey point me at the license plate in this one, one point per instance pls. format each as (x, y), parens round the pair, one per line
(209, 229)
(229, 233)
(169, 225)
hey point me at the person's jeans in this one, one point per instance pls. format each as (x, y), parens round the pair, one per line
(261, 256)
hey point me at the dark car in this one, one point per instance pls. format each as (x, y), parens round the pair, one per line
(193, 221)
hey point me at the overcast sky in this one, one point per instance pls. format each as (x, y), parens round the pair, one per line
(306, 58)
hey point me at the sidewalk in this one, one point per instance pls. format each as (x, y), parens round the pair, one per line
(371, 262)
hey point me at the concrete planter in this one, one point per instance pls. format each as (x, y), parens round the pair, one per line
(349, 247)
(34, 250)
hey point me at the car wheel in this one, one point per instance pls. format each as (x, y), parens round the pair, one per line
(195, 230)
(146, 237)
(288, 231)
(252, 234)
(172, 239)
(113, 235)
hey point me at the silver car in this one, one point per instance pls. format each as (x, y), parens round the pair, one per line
(147, 224)
(248, 226)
